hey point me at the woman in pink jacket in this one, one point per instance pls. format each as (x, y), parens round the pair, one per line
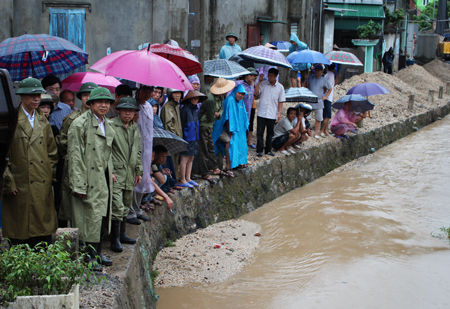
(345, 120)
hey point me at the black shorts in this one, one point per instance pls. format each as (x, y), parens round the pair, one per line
(326, 109)
(279, 141)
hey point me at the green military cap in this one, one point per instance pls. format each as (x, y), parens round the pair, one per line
(86, 87)
(128, 102)
(100, 93)
(232, 34)
(30, 86)
(252, 71)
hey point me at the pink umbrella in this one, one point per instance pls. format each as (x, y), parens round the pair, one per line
(74, 81)
(145, 67)
(182, 58)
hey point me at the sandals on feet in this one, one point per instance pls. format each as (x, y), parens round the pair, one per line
(210, 179)
(156, 202)
(229, 173)
(187, 185)
(193, 183)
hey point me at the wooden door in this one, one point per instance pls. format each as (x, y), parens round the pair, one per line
(253, 35)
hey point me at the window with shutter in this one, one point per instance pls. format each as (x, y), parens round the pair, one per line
(69, 25)
(294, 27)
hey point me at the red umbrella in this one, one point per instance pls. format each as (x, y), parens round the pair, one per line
(182, 58)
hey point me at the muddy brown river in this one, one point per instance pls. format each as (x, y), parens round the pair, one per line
(366, 237)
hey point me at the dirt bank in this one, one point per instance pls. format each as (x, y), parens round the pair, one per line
(439, 69)
(194, 258)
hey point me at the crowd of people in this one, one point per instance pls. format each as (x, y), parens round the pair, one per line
(97, 167)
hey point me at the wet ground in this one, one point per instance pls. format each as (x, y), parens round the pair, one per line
(364, 237)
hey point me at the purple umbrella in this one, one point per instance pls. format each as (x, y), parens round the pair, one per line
(368, 89)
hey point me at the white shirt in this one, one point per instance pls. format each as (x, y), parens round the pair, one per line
(270, 97)
(101, 124)
(30, 117)
(330, 77)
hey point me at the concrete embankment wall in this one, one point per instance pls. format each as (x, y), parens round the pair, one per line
(254, 187)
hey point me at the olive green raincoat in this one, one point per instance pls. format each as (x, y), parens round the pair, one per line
(90, 173)
(126, 158)
(65, 209)
(31, 169)
(170, 116)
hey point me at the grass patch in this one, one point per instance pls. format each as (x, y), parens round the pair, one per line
(170, 243)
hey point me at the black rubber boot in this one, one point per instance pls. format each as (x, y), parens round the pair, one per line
(91, 256)
(101, 258)
(123, 235)
(116, 246)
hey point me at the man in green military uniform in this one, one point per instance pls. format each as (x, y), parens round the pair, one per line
(28, 212)
(65, 209)
(90, 173)
(126, 158)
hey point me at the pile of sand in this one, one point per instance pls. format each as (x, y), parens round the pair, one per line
(440, 69)
(194, 258)
(419, 78)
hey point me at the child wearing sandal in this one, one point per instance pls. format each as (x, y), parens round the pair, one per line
(163, 176)
(191, 129)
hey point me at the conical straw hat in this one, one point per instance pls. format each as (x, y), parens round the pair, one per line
(222, 86)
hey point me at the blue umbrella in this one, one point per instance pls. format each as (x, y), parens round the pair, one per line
(359, 103)
(307, 56)
(282, 46)
(224, 68)
(301, 94)
(368, 89)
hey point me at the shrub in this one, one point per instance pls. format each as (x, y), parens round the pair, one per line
(44, 270)
(368, 30)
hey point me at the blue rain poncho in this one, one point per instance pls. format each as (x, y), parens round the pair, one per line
(234, 112)
(227, 51)
(300, 46)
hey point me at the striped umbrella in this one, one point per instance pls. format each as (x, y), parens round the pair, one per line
(301, 94)
(39, 55)
(224, 68)
(266, 56)
(342, 57)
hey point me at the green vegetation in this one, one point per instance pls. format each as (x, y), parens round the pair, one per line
(154, 275)
(44, 270)
(170, 243)
(426, 15)
(446, 231)
(394, 17)
(368, 30)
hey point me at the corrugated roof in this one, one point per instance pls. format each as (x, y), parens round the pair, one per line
(362, 10)
(350, 23)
